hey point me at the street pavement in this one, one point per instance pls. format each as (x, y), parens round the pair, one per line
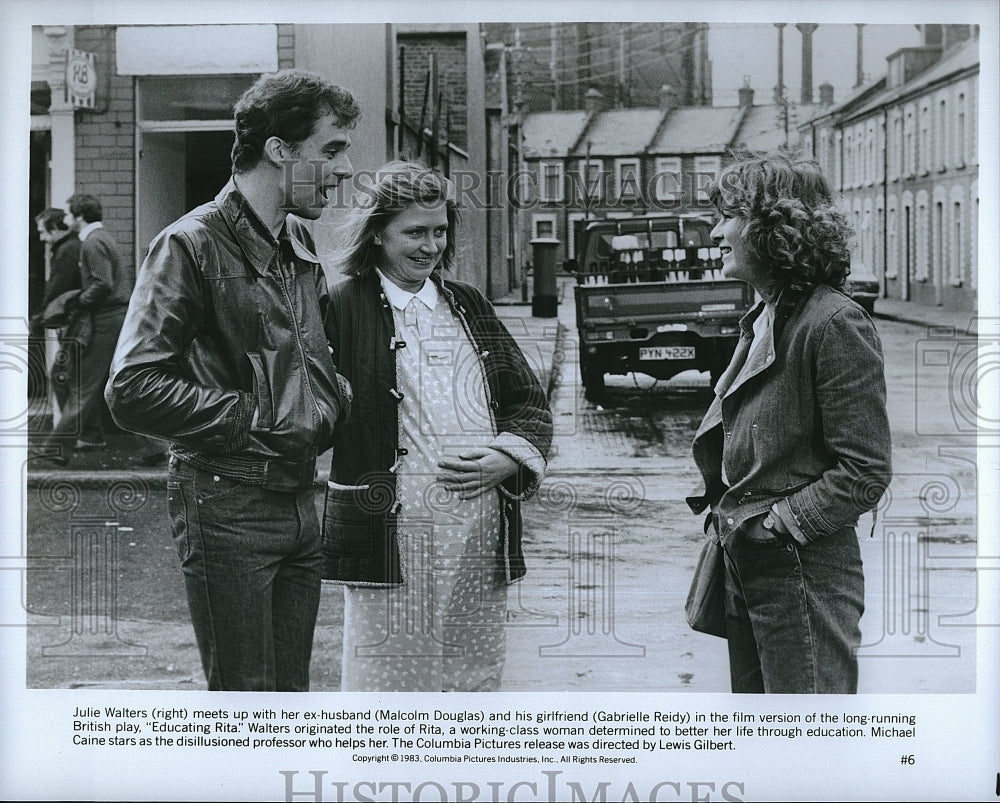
(108, 507)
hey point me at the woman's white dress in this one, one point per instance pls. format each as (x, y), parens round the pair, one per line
(443, 630)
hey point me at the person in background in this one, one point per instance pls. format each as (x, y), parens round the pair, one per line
(64, 277)
(449, 432)
(795, 445)
(223, 353)
(106, 284)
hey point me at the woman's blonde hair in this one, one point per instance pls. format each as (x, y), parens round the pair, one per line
(397, 186)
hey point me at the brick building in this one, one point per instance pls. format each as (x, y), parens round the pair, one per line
(554, 64)
(903, 151)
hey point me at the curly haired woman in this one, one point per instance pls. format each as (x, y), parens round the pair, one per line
(795, 445)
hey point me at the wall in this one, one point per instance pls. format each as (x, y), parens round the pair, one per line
(105, 140)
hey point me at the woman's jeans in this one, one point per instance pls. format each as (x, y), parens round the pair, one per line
(793, 612)
(251, 563)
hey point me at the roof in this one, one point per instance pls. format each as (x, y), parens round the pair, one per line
(552, 133)
(620, 132)
(956, 59)
(874, 96)
(764, 130)
(632, 132)
(697, 129)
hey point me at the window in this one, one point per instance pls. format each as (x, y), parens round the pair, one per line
(960, 132)
(668, 179)
(921, 267)
(956, 264)
(592, 176)
(706, 173)
(909, 145)
(627, 179)
(942, 135)
(892, 255)
(938, 244)
(896, 149)
(872, 154)
(550, 182)
(924, 145)
(543, 226)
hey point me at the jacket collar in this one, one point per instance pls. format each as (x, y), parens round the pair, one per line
(254, 238)
(60, 238)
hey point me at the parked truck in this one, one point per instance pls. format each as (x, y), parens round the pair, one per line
(650, 298)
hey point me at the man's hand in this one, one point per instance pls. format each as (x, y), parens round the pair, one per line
(475, 471)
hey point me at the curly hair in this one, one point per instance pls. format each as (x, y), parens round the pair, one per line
(286, 104)
(793, 230)
(397, 185)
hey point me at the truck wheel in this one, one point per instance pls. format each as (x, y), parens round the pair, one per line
(593, 382)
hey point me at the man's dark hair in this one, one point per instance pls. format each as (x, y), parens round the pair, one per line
(286, 104)
(52, 219)
(85, 206)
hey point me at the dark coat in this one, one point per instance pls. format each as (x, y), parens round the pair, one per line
(359, 524)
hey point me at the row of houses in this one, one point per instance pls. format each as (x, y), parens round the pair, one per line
(902, 151)
(602, 162)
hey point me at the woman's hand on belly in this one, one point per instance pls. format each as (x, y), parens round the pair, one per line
(475, 471)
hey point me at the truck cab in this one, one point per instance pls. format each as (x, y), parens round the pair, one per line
(650, 298)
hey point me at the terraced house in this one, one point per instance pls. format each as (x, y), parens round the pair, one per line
(606, 163)
(903, 150)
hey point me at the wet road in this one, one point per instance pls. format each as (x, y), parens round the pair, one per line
(611, 543)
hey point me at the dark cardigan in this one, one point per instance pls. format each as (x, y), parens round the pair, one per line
(359, 524)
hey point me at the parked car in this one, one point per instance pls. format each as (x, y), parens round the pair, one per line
(863, 286)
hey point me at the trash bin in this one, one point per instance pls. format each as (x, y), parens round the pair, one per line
(545, 300)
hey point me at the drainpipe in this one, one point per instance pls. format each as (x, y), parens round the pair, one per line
(885, 199)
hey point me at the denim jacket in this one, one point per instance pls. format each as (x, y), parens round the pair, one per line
(804, 421)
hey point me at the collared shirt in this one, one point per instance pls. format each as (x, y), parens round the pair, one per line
(399, 297)
(86, 230)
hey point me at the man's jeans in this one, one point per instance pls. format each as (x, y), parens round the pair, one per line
(793, 612)
(251, 563)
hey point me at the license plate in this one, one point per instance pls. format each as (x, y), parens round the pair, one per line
(666, 353)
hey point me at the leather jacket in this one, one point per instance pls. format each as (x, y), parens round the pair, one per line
(225, 321)
(359, 522)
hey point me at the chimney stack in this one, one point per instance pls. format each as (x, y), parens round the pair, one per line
(593, 101)
(826, 94)
(806, 29)
(779, 90)
(746, 93)
(668, 98)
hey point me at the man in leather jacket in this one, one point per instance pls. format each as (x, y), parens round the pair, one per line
(223, 353)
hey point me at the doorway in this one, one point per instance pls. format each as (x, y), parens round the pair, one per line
(178, 171)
